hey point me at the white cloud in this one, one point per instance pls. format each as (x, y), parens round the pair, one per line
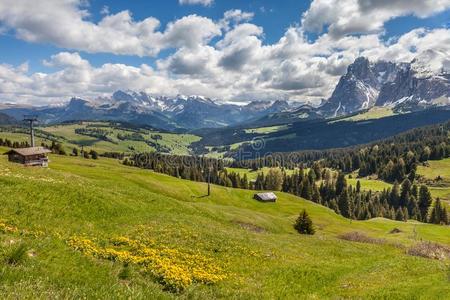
(190, 31)
(293, 68)
(234, 17)
(66, 59)
(194, 2)
(66, 24)
(104, 10)
(225, 59)
(364, 16)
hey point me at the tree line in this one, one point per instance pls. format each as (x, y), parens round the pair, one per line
(319, 184)
(392, 159)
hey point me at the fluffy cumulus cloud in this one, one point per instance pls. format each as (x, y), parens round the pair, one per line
(75, 76)
(200, 2)
(364, 16)
(225, 58)
(65, 23)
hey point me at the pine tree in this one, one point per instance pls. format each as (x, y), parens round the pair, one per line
(344, 205)
(394, 197)
(274, 179)
(444, 216)
(334, 206)
(93, 154)
(304, 224)
(425, 201)
(306, 189)
(399, 215)
(405, 192)
(341, 183)
(316, 194)
(438, 213)
(358, 186)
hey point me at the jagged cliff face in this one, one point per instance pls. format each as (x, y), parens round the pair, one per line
(404, 85)
(359, 87)
(416, 87)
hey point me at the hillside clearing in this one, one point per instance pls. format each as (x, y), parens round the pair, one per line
(132, 140)
(101, 201)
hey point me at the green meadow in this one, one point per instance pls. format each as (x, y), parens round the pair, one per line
(437, 168)
(97, 229)
(269, 129)
(373, 113)
(66, 134)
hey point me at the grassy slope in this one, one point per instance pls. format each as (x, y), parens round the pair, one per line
(103, 199)
(438, 168)
(373, 113)
(269, 129)
(177, 143)
(251, 175)
(369, 184)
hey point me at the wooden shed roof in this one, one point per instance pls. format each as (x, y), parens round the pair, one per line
(269, 196)
(29, 151)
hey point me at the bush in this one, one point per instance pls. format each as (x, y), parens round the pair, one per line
(125, 273)
(430, 250)
(359, 237)
(304, 224)
(93, 154)
(17, 255)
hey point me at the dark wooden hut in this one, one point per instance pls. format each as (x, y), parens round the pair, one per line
(32, 156)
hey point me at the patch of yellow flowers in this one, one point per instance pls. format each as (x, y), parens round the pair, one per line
(5, 228)
(175, 269)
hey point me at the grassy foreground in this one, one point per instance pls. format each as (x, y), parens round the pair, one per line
(86, 224)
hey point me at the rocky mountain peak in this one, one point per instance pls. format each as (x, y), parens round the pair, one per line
(423, 82)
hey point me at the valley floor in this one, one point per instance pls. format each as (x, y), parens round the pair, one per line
(98, 229)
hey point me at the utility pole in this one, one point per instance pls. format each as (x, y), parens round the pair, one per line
(208, 166)
(31, 120)
(209, 179)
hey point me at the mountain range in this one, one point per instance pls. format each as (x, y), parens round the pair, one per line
(6, 119)
(189, 112)
(404, 87)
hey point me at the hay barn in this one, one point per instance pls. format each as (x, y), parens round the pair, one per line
(32, 156)
(265, 197)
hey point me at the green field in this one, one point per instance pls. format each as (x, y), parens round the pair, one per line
(98, 229)
(436, 168)
(251, 175)
(369, 184)
(174, 143)
(373, 113)
(270, 129)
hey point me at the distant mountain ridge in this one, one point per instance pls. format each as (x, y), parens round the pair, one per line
(417, 85)
(189, 112)
(6, 119)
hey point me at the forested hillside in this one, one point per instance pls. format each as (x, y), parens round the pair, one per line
(394, 160)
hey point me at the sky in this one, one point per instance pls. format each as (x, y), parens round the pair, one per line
(229, 50)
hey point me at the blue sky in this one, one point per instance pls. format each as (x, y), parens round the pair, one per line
(265, 50)
(273, 16)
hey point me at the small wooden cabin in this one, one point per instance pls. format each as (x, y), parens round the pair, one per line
(265, 197)
(32, 156)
